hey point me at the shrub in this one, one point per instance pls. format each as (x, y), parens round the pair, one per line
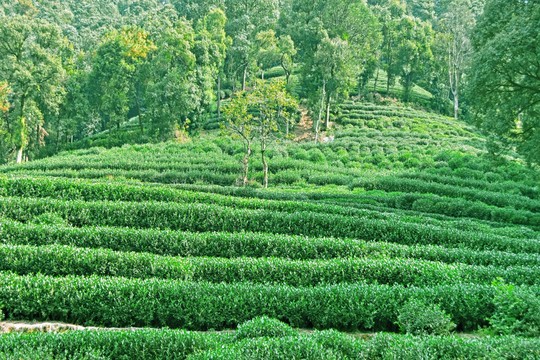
(263, 326)
(418, 318)
(317, 156)
(300, 347)
(49, 219)
(517, 311)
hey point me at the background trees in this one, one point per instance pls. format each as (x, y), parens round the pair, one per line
(32, 66)
(505, 84)
(75, 69)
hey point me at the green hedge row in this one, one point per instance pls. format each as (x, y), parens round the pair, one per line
(419, 186)
(66, 260)
(85, 190)
(115, 191)
(148, 344)
(499, 186)
(334, 345)
(150, 176)
(203, 217)
(152, 344)
(231, 245)
(457, 207)
(121, 302)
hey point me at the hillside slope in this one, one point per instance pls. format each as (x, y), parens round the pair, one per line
(400, 205)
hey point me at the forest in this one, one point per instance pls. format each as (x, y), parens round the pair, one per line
(71, 69)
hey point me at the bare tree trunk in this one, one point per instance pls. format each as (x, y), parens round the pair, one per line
(376, 80)
(219, 96)
(19, 154)
(244, 79)
(246, 165)
(262, 74)
(456, 105)
(287, 128)
(139, 112)
(328, 101)
(320, 112)
(265, 165)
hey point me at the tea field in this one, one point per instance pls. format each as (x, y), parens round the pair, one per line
(399, 224)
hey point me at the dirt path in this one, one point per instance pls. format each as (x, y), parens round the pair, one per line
(30, 327)
(303, 131)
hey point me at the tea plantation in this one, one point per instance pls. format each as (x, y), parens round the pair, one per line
(399, 224)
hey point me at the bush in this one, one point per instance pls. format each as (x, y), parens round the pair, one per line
(49, 219)
(517, 311)
(317, 156)
(301, 347)
(263, 326)
(418, 318)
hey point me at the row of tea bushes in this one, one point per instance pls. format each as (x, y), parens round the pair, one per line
(121, 302)
(245, 244)
(208, 217)
(67, 260)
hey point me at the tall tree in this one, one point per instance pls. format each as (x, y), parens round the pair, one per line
(214, 44)
(389, 14)
(287, 51)
(32, 66)
(458, 23)
(505, 81)
(247, 18)
(171, 92)
(414, 52)
(114, 75)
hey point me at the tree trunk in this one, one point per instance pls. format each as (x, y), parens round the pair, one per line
(262, 74)
(246, 165)
(287, 128)
(265, 165)
(328, 101)
(244, 79)
(456, 105)
(376, 80)
(320, 112)
(288, 77)
(19, 154)
(219, 96)
(139, 112)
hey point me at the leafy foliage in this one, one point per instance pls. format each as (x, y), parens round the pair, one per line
(417, 318)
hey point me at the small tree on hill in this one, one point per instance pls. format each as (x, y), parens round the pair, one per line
(259, 114)
(239, 125)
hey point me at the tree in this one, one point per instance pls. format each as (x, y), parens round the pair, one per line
(414, 52)
(505, 82)
(114, 77)
(272, 104)
(266, 46)
(458, 23)
(171, 92)
(258, 115)
(247, 18)
(31, 64)
(211, 34)
(239, 125)
(287, 52)
(333, 64)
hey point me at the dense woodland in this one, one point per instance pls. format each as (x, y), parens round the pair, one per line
(70, 69)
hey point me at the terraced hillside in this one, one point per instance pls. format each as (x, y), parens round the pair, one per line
(402, 207)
